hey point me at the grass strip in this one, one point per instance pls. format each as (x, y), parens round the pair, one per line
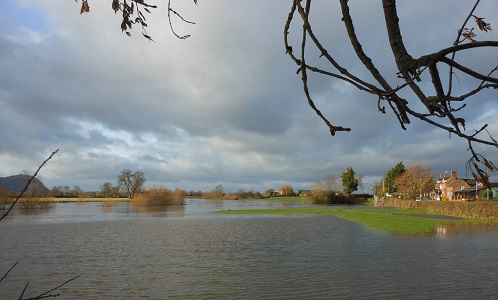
(396, 221)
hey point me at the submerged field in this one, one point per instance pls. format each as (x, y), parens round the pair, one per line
(397, 221)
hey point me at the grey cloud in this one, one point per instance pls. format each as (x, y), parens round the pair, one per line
(225, 106)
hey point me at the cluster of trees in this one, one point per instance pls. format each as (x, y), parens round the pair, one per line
(129, 184)
(67, 192)
(219, 193)
(408, 182)
(330, 191)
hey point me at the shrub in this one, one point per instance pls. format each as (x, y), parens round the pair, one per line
(159, 196)
(321, 197)
(330, 197)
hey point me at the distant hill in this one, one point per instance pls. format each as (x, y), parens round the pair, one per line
(16, 183)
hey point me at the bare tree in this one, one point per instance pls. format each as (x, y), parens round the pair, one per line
(107, 190)
(441, 104)
(132, 182)
(285, 190)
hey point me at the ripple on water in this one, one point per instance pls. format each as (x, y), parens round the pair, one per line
(229, 257)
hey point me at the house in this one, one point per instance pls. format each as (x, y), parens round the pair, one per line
(448, 188)
(442, 188)
(454, 186)
(478, 191)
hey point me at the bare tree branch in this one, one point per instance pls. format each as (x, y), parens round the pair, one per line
(27, 184)
(6, 274)
(439, 111)
(48, 294)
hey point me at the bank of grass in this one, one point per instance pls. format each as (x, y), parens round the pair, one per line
(396, 221)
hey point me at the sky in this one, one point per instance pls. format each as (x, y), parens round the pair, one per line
(224, 106)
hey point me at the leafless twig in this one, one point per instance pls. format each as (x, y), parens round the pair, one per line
(27, 185)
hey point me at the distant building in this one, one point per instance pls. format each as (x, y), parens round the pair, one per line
(451, 187)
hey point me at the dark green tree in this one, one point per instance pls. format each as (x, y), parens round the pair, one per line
(349, 180)
(391, 176)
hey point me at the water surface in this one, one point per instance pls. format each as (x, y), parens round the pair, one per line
(186, 252)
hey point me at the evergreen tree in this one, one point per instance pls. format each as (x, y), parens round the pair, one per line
(350, 182)
(391, 176)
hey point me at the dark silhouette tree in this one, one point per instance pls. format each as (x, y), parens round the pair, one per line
(441, 104)
(419, 91)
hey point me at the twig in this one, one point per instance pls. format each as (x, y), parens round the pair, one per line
(27, 185)
(6, 274)
(44, 295)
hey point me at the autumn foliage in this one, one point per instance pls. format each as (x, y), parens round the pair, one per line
(415, 181)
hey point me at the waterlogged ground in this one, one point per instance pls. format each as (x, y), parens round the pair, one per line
(188, 252)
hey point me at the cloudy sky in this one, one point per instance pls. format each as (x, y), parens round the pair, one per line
(222, 107)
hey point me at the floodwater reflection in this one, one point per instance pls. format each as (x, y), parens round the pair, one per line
(160, 211)
(186, 252)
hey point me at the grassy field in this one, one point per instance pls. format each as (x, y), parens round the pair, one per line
(397, 221)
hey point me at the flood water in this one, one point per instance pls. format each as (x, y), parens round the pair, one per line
(187, 252)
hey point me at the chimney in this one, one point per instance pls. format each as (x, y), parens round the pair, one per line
(454, 175)
(441, 175)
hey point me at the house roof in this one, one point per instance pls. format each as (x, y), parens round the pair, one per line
(457, 182)
(470, 190)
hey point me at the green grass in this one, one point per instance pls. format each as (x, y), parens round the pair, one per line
(397, 221)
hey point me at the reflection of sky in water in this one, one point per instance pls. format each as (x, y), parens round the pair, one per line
(142, 255)
(74, 212)
(102, 211)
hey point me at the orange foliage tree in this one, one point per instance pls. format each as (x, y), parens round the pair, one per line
(415, 181)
